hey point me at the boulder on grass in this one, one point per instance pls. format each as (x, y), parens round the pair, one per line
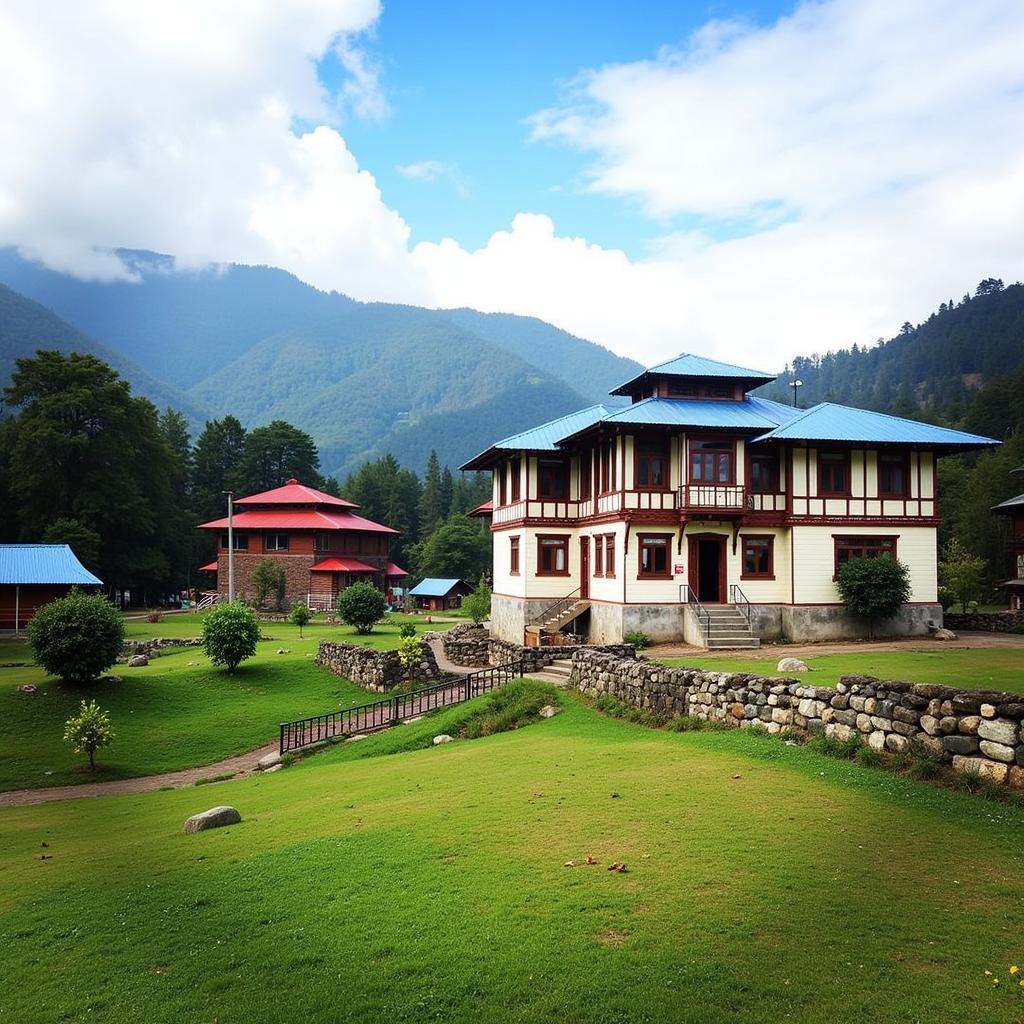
(27, 688)
(268, 761)
(944, 634)
(791, 665)
(443, 738)
(548, 711)
(138, 661)
(215, 817)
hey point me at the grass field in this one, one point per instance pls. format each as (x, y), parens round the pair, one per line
(978, 668)
(170, 714)
(765, 883)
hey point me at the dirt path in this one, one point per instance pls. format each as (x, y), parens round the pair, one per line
(772, 652)
(238, 767)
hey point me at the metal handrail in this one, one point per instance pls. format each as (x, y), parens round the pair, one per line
(555, 608)
(740, 600)
(689, 598)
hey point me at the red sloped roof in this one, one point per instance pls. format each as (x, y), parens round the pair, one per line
(394, 570)
(294, 493)
(209, 567)
(341, 565)
(299, 519)
(486, 509)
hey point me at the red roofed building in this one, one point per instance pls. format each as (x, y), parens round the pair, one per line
(322, 543)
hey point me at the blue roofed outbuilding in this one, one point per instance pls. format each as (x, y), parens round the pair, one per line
(32, 575)
(440, 594)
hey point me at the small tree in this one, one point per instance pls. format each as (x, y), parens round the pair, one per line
(478, 604)
(88, 731)
(299, 616)
(268, 578)
(962, 573)
(874, 588)
(230, 632)
(77, 637)
(410, 653)
(407, 629)
(361, 605)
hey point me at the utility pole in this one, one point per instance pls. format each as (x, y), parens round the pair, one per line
(794, 384)
(231, 544)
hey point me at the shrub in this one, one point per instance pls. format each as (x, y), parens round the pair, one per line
(361, 605)
(410, 652)
(230, 632)
(88, 731)
(154, 617)
(299, 616)
(962, 575)
(638, 639)
(874, 588)
(77, 637)
(268, 578)
(407, 629)
(478, 604)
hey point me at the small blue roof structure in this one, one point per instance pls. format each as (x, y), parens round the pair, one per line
(26, 564)
(688, 365)
(544, 438)
(435, 588)
(829, 422)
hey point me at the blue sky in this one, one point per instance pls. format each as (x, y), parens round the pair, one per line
(462, 80)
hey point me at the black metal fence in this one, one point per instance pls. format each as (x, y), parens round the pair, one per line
(380, 714)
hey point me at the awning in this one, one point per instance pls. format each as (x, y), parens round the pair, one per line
(341, 565)
(394, 570)
(210, 567)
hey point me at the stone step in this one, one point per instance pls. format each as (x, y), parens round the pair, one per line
(735, 643)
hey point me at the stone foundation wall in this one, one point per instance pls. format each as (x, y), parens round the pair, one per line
(973, 730)
(378, 671)
(988, 622)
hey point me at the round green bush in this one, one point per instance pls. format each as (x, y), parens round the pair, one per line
(230, 632)
(77, 637)
(361, 605)
(406, 630)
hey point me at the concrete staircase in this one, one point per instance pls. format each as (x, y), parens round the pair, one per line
(557, 673)
(727, 628)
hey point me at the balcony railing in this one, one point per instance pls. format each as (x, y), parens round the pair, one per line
(724, 496)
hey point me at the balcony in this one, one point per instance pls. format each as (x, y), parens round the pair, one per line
(717, 497)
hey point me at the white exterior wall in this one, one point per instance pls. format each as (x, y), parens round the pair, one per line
(501, 555)
(777, 591)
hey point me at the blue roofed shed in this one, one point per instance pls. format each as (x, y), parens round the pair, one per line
(438, 595)
(32, 575)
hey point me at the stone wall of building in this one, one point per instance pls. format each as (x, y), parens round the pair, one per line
(296, 575)
(973, 730)
(378, 671)
(988, 622)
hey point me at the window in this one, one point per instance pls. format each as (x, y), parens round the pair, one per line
(682, 390)
(599, 556)
(719, 392)
(552, 555)
(833, 474)
(276, 542)
(586, 468)
(764, 473)
(654, 554)
(711, 462)
(863, 547)
(513, 556)
(893, 475)
(552, 479)
(608, 467)
(609, 556)
(321, 542)
(651, 467)
(241, 541)
(502, 485)
(758, 558)
(516, 475)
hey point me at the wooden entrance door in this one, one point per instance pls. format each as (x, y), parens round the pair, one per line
(707, 567)
(584, 568)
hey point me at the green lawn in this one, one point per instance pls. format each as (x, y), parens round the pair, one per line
(171, 714)
(765, 884)
(980, 668)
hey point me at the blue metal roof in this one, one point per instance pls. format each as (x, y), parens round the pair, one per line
(547, 435)
(688, 365)
(750, 414)
(829, 422)
(24, 564)
(434, 588)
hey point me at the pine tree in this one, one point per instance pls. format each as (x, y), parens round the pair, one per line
(430, 499)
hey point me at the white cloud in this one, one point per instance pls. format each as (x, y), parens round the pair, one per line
(810, 183)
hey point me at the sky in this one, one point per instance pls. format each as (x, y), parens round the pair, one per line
(748, 181)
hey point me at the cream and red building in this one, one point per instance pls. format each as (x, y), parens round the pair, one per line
(702, 512)
(321, 542)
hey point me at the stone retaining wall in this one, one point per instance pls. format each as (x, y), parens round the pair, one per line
(154, 646)
(378, 671)
(987, 622)
(466, 644)
(974, 730)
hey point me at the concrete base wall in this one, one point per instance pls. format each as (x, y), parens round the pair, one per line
(808, 623)
(509, 615)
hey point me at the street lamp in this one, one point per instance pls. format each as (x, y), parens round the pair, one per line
(794, 384)
(231, 544)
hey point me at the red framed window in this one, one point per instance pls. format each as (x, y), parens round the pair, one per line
(764, 472)
(609, 556)
(552, 555)
(893, 475)
(552, 479)
(586, 468)
(833, 474)
(516, 482)
(513, 556)
(653, 553)
(712, 462)
(651, 469)
(862, 547)
(758, 557)
(599, 556)
(503, 484)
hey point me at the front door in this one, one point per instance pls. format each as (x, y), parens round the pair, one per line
(707, 568)
(584, 568)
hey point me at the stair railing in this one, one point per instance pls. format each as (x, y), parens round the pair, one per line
(689, 598)
(739, 599)
(554, 609)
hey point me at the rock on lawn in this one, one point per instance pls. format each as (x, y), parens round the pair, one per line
(215, 817)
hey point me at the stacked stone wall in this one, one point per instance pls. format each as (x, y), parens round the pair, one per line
(156, 645)
(377, 671)
(987, 622)
(973, 730)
